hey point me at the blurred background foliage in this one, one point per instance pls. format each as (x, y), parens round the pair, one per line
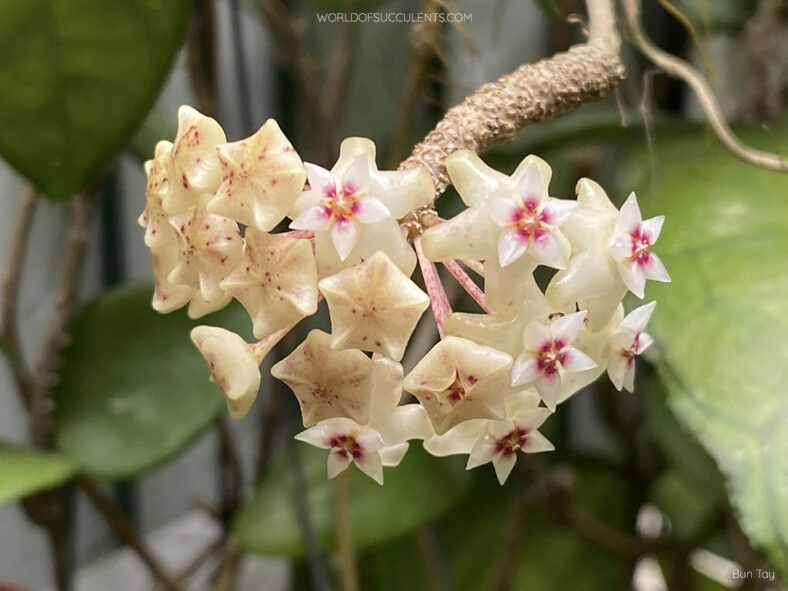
(688, 474)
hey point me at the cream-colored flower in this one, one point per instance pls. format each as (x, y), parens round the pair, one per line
(276, 281)
(158, 231)
(262, 176)
(210, 249)
(193, 168)
(505, 438)
(459, 380)
(167, 296)
(512, 224)
(233, 363)
(629, 340)
(374, 307)
(327, 383)
(497, 441)
(353, 208)
(601, 267)
(383, 441)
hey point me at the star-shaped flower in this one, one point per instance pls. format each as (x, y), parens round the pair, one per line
(276, 281)
(505, 438)
(383, 441)
(548, 354)
(327, 383)
(591, 281)
(353, 208)
(630, 247)
(458, 380)
(374, 307)
(210, 248)
(262, 177)
(158, 232)
(193, 167)
(627, 342)
(511, 223)
(233, 363)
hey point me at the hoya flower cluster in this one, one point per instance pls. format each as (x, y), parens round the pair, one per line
(492, 379)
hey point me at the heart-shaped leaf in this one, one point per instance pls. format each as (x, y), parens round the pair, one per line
(722, 323)
(134, 390)
(417, 491)
(78, 78)
(24, 471)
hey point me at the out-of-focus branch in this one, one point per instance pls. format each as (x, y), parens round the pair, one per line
(56, 337)
(678, 68)
(347, 563)
(201, 51)
(532, 93)
(12, 275)
(125, 532)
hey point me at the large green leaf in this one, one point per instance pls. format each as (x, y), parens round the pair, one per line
(134, 390)
(723, 321)
(417, 491)
(25, 471)
(78, 77)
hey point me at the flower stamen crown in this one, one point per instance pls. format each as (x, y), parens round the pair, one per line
(492, 379)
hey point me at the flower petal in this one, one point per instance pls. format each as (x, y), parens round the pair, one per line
(530, 186)
(621, 247)
(525, 370)
(629, 217)
(338, 461)
(565, 328)
(370, 210)
(371, 465)
(321, 180)
(655, 270)
(549, 388)
(511, 246)
(356, 177)
(503, 211)
(550, 250)
(316, 218)
(618, 369)
(633, 276)
(536, 442)
(575, 360)
(644, 341)
(652, 227)
(344, 235)
(483, 452)
(504, 464)
(392, 455)
(638, 318)
(536, 336)
(319, 435)
(557, 211)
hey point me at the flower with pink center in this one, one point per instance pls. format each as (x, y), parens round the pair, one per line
(505, 438)
(630, 245)
(548, 354)
(344, 205)
(348, 443)
(627, 342)
(529, 221)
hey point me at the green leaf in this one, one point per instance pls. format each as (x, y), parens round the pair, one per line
(134, 390)
(78, 78)
(415, 492)
(722, 323)
(713, 14)
(551, 556)
(24, 471)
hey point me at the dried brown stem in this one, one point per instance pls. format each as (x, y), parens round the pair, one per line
(12, 275)
(680, 69)
(126, 532)
(56, 337)
(532, 93)
(347, 563)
